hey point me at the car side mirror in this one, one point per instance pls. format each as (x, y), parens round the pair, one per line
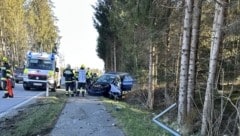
(57, 69)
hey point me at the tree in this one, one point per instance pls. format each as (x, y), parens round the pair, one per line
(184, 63)
(43, 33)
(193, 54)
(14, 32)
(101, 23)
(215, 44)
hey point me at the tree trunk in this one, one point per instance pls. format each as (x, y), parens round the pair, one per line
(150, 98)
(114, 55)
(184, 64)
(177, 64)
(216, 40)
(168, 100)
(155, 65)
(193, 55)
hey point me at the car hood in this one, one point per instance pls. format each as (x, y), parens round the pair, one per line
(100, 84)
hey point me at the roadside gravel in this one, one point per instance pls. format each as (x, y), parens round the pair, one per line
(85, 116)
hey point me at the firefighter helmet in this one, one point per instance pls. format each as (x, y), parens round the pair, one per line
(68, 66)
(5, 59)
(82, 66)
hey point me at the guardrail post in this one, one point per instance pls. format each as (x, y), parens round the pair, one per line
(47, 89)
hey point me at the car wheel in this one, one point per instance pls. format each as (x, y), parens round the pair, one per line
(25, 87)
(110, 95)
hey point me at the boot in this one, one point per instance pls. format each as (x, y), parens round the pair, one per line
(10, 96)
(83, 93)
(5, 95)
(77, 94)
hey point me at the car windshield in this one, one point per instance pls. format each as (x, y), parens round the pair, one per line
(109, 78)
(40, 64)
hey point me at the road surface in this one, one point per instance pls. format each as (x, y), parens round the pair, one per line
(21, 97)
(86, 116)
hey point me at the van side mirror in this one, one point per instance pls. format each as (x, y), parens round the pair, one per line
(56, 69)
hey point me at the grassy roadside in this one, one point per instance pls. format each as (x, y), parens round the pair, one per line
(40, 117)
(35, 119)
(134, 121)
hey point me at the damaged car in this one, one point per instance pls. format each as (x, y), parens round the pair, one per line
(111, 84)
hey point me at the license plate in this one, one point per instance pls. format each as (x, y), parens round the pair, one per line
(37, 84)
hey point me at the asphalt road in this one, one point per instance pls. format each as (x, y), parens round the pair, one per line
(21, 97)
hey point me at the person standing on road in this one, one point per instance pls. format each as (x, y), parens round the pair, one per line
(81, 81)
(69, 79)
(74, 81)
(6, 82)
(88, 77)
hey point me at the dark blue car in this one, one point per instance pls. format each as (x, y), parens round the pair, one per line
(111, 84)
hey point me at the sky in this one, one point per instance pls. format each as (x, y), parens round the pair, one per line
(79, 37)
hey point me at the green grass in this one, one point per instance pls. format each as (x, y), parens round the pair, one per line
(133, 120)
(39, 118)
(35, 119)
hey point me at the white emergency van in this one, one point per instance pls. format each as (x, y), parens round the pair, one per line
(41, 68)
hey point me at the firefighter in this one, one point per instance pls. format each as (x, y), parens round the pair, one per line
(88, 77)
(6, 82)
(74, 84)
(69, 79)
(81, 81)
(9, 86)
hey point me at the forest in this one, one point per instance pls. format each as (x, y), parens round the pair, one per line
(27, 25)
(186, 50)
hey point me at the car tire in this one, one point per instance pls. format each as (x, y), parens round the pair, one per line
(25, 87)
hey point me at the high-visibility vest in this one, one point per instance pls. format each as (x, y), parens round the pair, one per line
(82, 76)
(88, 74)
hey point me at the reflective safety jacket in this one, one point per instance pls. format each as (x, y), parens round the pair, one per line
(68, 74)
(6, 71)
(82, 76)
(88, 75)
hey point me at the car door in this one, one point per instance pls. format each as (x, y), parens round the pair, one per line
(127, 83)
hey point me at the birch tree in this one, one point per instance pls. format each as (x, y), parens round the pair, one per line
(150, 98)
(216, 40)
(193, 54)
(184, 62)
